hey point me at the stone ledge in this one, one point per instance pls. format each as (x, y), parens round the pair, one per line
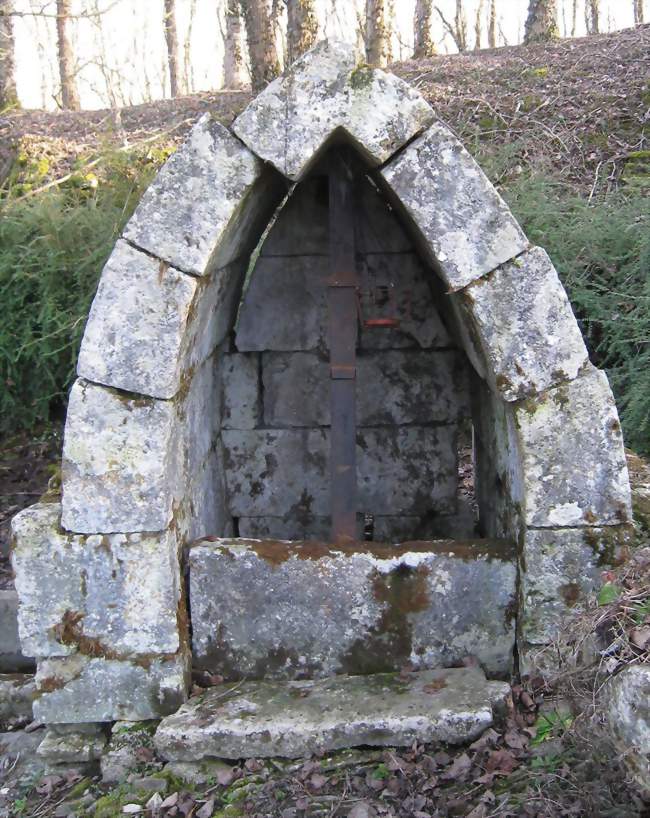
(320, 610)
(296, 719)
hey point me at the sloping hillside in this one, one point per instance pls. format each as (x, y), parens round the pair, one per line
(579, 106)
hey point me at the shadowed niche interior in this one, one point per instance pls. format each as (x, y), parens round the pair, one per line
(415, 447)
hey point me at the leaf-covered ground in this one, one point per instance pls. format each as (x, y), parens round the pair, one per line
(580, 107)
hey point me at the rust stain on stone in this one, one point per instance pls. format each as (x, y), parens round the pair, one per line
(570, 594)
(277, 552)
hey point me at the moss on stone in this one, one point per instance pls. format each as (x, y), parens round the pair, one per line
(361, 77)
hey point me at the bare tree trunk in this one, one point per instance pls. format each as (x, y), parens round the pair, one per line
(592, 16)
(8, 95)
(638, 12)
(302, 27)
(457, 30)
(378, 32)
(574, 18)
(261, 42)
(492, 25)
(69, 91)
(171, 38)
(541, 25)
(233, 59)
(188, 74)
(478, 25)
(423, 45)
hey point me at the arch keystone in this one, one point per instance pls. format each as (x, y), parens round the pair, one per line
(327, 90)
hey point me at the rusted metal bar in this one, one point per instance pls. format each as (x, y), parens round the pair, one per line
(342, 301)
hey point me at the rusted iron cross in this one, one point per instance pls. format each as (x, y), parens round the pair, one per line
(343, 285)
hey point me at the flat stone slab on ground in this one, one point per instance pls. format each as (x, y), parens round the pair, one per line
(320, 610)
(295, 719)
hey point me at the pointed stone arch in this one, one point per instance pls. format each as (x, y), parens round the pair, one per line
(142, 473)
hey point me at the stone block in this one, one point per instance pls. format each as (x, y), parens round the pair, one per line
(299, 719)
(407, 470)
(573, 459)
(17, 692)
(116, 463)
(296, 288)
(18, 751)
(284, 306)
(204, 510)
(401, 470)
(498, 476)
(367, 608)
(12, 659)
(563, 568)
(242, 407)
(128, 460)
(77, 689)
(301, 225)
(110, 595)
(136, 324)
(321, 92)
(150, 324)
(465, 227)
(393, 387)
(193, 214)
(65, 743)
(524, 320)
(627, 707)
(414, 304)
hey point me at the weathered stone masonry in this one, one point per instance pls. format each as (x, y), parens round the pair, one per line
(180, 409)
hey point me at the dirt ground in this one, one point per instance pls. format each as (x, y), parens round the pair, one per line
(27, 464)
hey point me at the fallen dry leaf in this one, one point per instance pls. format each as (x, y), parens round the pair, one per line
(640, 637)
(501, 762)
(459, 770)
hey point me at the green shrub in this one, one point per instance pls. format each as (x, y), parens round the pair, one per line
(602, 252)
(52, 249)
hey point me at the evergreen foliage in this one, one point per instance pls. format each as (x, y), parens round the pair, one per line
(52, 248)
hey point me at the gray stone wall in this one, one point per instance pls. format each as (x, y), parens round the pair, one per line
(412, 384)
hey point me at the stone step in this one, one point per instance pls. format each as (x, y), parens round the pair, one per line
(297, 610)
(258, 719)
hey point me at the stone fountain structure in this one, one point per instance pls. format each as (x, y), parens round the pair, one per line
(198, 463)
